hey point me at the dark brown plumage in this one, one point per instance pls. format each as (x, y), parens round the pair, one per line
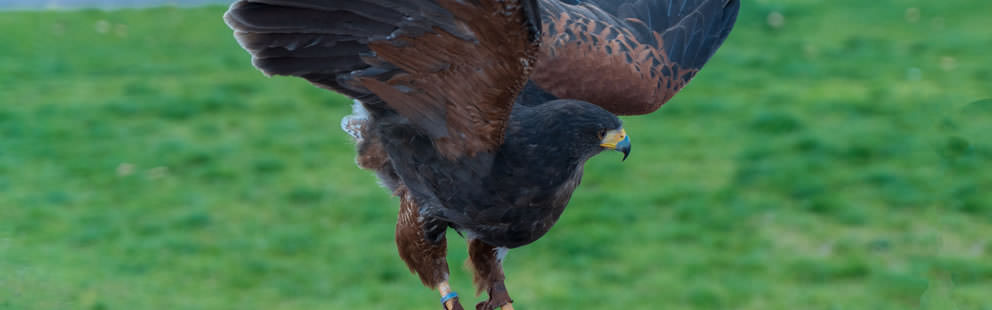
(457, 102)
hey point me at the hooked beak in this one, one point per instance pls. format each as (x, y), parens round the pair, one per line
(617, 140)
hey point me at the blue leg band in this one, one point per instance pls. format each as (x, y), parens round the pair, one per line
(448, 297)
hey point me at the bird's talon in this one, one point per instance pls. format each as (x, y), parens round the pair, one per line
(494, 305)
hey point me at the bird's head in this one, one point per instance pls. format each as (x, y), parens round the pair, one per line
(589, 128)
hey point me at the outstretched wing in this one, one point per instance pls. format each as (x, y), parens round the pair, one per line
(628, 56)
(451, 67)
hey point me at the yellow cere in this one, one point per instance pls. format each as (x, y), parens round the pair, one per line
(613, 137)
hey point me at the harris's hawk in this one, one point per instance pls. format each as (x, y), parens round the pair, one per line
(480, 114)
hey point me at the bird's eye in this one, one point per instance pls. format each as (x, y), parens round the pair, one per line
(602, 134)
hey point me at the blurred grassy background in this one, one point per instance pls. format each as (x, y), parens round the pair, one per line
(833, 155)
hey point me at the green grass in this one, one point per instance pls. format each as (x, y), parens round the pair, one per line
(841, 161)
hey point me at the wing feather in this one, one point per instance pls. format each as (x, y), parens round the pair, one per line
(450, 67)
(628, 56)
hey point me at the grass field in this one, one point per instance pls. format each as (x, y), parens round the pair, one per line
(839, 158)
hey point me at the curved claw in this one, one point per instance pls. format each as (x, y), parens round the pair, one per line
(497, 300)
(489, 305)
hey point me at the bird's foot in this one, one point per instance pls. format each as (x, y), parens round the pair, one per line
(490, 305)
(498, 299)
(493, 305)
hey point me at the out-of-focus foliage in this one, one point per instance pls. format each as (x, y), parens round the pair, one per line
(833, 155)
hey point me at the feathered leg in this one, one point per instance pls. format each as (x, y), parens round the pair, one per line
(487, 263)
(423, 247)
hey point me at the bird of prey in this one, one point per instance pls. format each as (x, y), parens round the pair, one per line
(480, 114)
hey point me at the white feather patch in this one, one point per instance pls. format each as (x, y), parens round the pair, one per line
(353, 123)
(501, 253)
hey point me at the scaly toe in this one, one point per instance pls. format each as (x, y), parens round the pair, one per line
(493, 305)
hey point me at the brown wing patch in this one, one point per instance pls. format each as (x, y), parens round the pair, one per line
(618, 72)
(461, 91)
(629, 57)
(451, 68)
